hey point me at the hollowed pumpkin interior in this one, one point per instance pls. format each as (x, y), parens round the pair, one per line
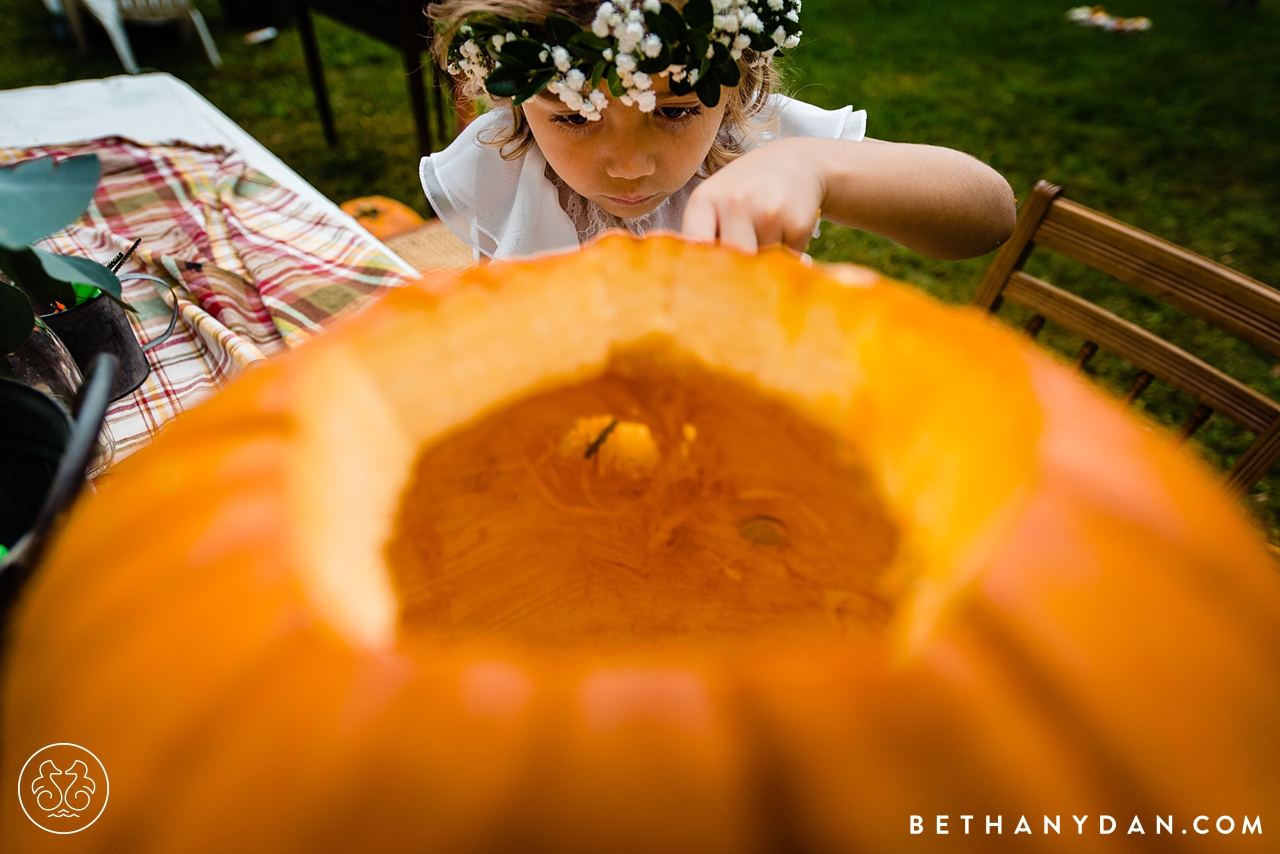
(655, 502)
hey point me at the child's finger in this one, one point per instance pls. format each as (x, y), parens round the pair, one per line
(737, 228)
(700, 219)
(798, 238)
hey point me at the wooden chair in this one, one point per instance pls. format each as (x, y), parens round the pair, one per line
(1236, 304)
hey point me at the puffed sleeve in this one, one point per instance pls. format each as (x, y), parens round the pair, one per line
(500, 208)
(786, 117)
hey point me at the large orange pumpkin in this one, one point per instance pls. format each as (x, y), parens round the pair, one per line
(654, 547)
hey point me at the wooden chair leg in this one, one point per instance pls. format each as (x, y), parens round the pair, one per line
(1140, 383)
(1034, 325)
(1201, 414)
(1087, 351)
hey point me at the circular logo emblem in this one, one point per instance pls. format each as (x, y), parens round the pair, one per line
(63, 788)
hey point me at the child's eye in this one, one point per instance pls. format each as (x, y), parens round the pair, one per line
(571, 118)
(677, 113)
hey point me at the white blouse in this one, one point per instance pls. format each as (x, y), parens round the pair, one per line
(512, 208)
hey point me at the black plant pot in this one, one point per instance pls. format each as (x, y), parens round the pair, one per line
(33, 436)
(99, 325)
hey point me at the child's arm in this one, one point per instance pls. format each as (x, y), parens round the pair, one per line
(934, 200)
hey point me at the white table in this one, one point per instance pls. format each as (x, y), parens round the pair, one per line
(148, 108)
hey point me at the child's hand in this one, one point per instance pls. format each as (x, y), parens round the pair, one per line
(771, 195)
(934, 200)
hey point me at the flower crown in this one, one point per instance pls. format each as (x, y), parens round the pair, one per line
(697, 50)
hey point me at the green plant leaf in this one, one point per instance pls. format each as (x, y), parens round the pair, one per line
(588, 40)
(506, 81)
(535, 85)
(16, 318)
(69, 268)
(655, 64)
(39, 197)
(663, 28)
(26, 271)
(526, 52)
(698, 14)
(708, 89)
(560, 29)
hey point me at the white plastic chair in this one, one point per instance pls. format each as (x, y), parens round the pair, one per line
(113, 13)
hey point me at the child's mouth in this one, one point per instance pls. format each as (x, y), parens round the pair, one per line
(631, 201)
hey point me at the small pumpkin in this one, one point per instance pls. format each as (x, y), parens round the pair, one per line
(652, 547)
(382, 217)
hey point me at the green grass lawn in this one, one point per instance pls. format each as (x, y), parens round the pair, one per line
(1176, 130)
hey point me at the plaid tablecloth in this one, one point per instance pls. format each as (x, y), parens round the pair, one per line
(258, 270)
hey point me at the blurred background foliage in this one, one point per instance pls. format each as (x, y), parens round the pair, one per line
(1175, 130)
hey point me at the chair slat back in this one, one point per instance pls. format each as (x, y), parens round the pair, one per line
(1236, 304)
(1148, 351)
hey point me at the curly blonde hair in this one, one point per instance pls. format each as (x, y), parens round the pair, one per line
(744, 102)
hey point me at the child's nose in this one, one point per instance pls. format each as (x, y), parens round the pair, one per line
(630, 165)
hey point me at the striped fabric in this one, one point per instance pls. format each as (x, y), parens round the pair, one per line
(257, 270)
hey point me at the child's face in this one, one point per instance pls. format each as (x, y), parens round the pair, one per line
(628, 161)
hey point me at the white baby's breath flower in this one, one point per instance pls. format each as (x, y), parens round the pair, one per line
(498, 42)
(693, 76)
(560, 56)
(654, 6)
(646, 101)
(608, 54)
(640, 80)
(793, 16)
(542, 56)
(779, 36)
(775, 5)
(575, 80)
(600, 26)
(571, 99)
(630, 37)
(792, 42)
(598, 99)
(626, 63)
(651, 45)
(742, 42)
(752, 22)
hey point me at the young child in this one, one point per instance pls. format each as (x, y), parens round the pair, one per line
(662, 116)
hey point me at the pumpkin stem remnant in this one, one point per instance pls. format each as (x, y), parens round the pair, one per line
(599, 440)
